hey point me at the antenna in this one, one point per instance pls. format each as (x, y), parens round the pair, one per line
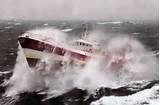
(86, 31)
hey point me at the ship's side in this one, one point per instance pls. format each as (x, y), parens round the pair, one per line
(35, 50)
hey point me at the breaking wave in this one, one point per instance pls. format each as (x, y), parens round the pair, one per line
(139, 64)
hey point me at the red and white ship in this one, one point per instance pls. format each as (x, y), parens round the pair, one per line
(36, 46)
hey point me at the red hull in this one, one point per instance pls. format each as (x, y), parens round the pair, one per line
(37, 45)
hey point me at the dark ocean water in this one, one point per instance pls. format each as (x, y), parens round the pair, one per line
(146, 33)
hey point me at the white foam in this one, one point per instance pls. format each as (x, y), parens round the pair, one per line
(23, 78)
(49, 34)
(148, 96)
(140, 64)
(67, 30)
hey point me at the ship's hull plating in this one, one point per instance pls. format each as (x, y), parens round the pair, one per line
(36, 50)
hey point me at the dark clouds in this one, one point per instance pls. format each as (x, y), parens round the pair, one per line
(79, 9)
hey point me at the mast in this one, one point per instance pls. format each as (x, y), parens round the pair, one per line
(85, 34)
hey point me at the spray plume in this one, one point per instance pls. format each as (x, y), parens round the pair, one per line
(138, 64)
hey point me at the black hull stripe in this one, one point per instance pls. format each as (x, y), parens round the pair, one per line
(32, 61)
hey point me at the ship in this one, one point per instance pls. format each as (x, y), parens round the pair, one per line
(77, 52)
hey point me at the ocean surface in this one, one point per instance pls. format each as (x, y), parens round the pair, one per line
(146, 33)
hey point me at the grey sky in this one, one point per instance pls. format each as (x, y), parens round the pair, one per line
(79, 9)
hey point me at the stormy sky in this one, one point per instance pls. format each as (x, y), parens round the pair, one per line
(79, 9)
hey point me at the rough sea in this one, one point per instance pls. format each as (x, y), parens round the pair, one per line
(146, 89)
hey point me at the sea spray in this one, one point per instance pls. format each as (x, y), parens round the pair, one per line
(133, 60)
(50, 34)
(139, 63)
(23, 78)
(29, 79)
